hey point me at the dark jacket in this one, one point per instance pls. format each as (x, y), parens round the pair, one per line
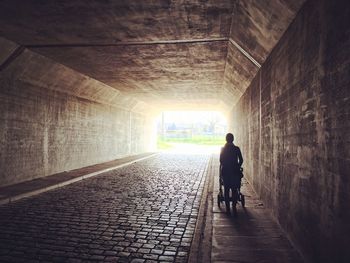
(230, 161)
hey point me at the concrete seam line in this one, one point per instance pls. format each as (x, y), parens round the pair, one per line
(196, 251)
(16, 53)
(131, 43)
(60, 184)
(245, 53)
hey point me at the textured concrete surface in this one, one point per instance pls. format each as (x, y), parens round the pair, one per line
(144, 212)
(7, 48)
(239, 71)
(257, 26)
(54, 119)
(146, 47)
(252, 236)
(292, 124)
(52, 132)
(76, 21)
(41, 72)
(166, 75)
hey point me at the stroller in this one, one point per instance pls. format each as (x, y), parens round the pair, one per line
(236, 196)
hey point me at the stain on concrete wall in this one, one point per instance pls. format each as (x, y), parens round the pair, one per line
(46, 129)
(293, 127)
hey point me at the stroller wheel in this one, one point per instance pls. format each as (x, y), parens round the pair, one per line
(219, 201)
(242, 200)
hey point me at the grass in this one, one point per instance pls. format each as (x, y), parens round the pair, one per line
(199, 140)
(163, 145)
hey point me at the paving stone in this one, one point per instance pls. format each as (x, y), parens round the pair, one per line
(111, 259)
(138, 245)
(97, 257)
(137, 212)
(157, 251)
(123, 260)
(166, 258)
(110, 253)
(74, 260)
(150, 256)
(96, 251)
(169, 253)
(123, 254)
(148, 246)
(144, 250)
(131, 249)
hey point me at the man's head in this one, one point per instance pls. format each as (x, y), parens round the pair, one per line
(229, 138)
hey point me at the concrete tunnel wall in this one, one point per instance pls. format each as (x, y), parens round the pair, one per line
(54, 119)
(293, 127)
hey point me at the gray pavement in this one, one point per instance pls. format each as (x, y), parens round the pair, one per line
(145, 212)
(251, 237)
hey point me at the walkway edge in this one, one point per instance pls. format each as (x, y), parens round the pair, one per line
(14, 198)
(202, 239)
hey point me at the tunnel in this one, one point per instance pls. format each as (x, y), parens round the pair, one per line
(81, 85)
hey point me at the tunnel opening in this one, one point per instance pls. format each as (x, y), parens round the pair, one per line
(79, 95)
(191, 131)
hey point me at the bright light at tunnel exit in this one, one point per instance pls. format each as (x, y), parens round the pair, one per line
(191, 132)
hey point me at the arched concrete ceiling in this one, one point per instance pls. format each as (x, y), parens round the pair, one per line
(34, 70)
(170, 53)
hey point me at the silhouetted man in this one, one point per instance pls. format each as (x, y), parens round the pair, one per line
(230, 164)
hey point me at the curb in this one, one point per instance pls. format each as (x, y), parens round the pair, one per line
(201, 243)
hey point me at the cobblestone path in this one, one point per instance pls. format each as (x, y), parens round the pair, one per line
(145, 212)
